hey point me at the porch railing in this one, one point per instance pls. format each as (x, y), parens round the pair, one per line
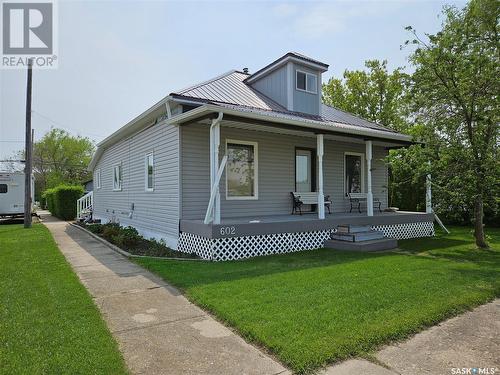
(84, 205)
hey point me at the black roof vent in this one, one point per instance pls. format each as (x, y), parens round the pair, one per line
(245, 70)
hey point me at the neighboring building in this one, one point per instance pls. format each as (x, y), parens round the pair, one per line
(210, 169)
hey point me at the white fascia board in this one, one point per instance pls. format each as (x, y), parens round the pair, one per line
(332, 126)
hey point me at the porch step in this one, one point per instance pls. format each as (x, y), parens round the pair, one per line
(357, 236)
(352, 228)
(371, 245)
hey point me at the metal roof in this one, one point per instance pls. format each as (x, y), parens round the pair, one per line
(231, 90)
(290, 56)
(232, 93)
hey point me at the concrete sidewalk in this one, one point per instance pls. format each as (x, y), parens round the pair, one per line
(469, 341)
(158, 330)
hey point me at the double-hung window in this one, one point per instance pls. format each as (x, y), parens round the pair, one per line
(149, 172)
(306, 82)
(97, 178)
(117, 177)
(241, 170)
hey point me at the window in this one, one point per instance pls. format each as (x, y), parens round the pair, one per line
(117, 177)
(354, 173)
(307, 82)
(149, 172)
(241, 170)
(97, 178)
(3, 188)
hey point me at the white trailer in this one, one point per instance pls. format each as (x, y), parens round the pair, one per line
(12, 193)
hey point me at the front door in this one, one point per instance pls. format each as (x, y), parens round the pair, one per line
(303, 175)
(304, 172)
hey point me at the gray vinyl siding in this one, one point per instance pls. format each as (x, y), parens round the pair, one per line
(304, 101)
(157, 212)
(276, 172)
(274, 85)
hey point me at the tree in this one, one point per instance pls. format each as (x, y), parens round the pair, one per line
(375, 94)
(455, 91)
(382, 97)
(61, 158)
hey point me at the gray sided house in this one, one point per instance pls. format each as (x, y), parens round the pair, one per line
(219, 167)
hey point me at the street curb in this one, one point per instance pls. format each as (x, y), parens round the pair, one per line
(126, 253)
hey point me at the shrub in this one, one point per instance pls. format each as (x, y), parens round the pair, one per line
(95, 228)
(61, 200)
(130, 236)
(48, 196)
(127, 237)
(110, 230)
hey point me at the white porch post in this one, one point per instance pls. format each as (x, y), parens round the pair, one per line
(216, 167)
(321, 197)
(214, 214)
(369, 194)
(428, 193)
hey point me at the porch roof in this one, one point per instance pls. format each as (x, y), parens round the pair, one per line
(289, 121)
(231, 89)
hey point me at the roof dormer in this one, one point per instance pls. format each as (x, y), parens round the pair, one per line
(293, 81)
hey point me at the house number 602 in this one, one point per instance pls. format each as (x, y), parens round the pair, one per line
(225, 231)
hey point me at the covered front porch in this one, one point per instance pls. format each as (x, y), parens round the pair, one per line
(244, 237)
(250, 168)
(272, 224)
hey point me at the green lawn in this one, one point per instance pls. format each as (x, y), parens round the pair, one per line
(317, 307)
(48, 322)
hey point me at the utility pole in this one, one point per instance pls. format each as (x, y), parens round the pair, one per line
(28, 151)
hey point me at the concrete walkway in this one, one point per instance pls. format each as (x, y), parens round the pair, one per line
(158, 330)
(469, 341)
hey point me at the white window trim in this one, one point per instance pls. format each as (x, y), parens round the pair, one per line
(306, 90)
(146, 157)
(97, 178)
(256, 171)
(363, 174)
(113, 181)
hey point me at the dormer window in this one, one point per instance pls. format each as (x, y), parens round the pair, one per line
(307, 82)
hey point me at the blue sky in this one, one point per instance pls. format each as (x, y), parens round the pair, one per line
(117, 58)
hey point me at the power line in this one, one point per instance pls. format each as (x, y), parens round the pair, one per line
(58, 124)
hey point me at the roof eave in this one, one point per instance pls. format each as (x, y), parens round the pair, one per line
(315, 125)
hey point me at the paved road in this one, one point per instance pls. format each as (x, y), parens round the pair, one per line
(158, 330)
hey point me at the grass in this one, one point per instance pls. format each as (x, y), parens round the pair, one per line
(48, 322)
(317, 307)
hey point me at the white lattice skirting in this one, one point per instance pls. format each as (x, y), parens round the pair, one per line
(231, 248)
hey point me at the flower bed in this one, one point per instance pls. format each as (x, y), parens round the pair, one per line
(128, 239)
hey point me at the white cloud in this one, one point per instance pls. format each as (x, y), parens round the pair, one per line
(314, 20)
